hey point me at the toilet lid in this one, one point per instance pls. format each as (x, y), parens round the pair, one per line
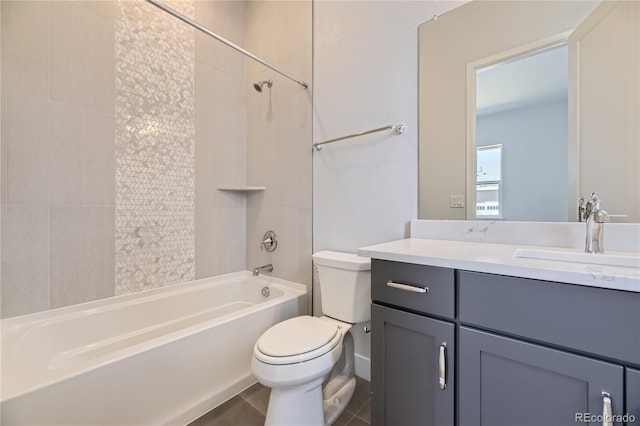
(296, 336)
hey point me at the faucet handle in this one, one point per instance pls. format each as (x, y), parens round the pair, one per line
(269, 241)
(590, 204)
(599, 214)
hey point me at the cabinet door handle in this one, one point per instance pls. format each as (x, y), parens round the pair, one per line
(442, 366)
(407, 287)
(607, 413)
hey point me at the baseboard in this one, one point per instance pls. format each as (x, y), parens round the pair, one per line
(363, 367)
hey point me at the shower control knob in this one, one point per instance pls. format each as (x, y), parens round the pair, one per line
(270, 241)
(367, 329)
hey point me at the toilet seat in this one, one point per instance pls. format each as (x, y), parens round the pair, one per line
(297, 340)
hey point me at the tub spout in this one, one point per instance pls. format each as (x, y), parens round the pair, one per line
(265, 268)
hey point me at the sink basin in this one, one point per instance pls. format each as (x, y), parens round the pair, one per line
(629, 260)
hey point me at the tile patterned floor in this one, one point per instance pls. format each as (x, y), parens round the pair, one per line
(250, 407)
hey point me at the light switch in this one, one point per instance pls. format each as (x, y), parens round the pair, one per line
(456, 201)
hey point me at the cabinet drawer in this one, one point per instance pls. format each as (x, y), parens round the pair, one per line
(421, 288)
(594, 320)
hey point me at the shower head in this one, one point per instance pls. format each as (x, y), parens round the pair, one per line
(258, 86)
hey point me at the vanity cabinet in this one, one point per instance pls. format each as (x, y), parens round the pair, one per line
(509, 382)
(529, 352)
(412, 359)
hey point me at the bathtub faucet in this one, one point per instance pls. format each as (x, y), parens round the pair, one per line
(265, 268)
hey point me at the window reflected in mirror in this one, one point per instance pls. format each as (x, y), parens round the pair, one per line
(488, 182)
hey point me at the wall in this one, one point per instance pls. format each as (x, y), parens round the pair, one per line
(1, 161)
(220, 133)
(534, 156)
(608, 128)
(119, 123)
(58, 154)
(154, 147)
(279, 138)
(365, 76)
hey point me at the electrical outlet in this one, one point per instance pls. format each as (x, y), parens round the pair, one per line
(456, 201)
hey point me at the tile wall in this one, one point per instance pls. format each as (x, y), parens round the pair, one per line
(58, 154)
(220, 140)
(279, 149)
(119, 123)
(155, 147)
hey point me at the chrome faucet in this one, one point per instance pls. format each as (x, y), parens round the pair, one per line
(582, 210)
(265, 268)
(596, 218)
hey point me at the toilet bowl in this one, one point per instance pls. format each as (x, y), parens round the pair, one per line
(308, 362)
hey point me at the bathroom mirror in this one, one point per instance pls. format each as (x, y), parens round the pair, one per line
(554, 85)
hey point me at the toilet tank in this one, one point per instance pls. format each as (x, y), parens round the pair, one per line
(345, 285)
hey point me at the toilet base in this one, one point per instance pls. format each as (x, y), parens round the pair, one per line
(336, 405)
(304, 405)
(296, 406)
(339, 389)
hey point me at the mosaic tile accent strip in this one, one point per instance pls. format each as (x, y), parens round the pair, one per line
(155, 148)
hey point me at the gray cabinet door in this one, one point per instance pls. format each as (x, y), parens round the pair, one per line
(508, 382)
(405, 352)
(633, 394)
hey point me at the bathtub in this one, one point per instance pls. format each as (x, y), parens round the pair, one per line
(164, 356)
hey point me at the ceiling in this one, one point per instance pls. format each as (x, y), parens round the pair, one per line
(532, 79)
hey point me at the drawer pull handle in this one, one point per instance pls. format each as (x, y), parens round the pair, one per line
(607, 413)
(407, 287)
(442, 366)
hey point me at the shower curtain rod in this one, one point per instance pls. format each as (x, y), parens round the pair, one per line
(199, 27)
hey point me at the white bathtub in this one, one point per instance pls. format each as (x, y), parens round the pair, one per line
(164, 356)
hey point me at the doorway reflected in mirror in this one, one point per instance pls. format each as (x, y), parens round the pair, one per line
(521, 117)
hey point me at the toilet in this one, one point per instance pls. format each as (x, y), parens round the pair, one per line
(308, 362)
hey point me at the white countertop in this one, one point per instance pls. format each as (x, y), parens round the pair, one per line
(498, 259)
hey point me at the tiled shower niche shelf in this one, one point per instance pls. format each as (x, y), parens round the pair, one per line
(240, 188)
